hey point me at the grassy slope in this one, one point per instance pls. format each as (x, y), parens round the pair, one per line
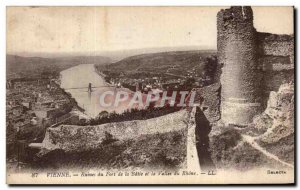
(161, 61)
(155, 151)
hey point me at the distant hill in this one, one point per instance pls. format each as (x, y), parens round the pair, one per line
(159, 62)
(119, 55)
(116, 55)
(34, 66)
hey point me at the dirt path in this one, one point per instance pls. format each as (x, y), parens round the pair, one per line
(251, 141)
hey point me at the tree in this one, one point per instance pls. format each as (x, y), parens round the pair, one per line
(103, 114)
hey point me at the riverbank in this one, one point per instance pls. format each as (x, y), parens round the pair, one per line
(73, 101)
(99, 72)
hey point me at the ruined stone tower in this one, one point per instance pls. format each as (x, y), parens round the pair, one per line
(240, 78)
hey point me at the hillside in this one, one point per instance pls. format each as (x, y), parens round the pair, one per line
(17, 66)
(161, 60)
(167, 70)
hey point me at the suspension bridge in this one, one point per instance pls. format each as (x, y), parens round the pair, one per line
(89, 87)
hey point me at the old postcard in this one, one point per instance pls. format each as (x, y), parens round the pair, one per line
(150, 95)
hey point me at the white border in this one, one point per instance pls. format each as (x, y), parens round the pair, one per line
(5, 3)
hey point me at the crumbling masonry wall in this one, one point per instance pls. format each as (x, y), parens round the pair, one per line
(253, 64)
(276, 56)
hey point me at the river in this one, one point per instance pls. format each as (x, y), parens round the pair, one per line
(75, 80)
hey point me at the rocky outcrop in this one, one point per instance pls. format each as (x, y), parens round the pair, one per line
(79, 138)
(278, 118)
(278, 123)
(267, 142)
(154, 143)
(160, 151)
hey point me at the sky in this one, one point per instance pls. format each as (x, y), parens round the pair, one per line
(98, 29)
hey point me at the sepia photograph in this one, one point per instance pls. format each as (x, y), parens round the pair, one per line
(150, 95)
